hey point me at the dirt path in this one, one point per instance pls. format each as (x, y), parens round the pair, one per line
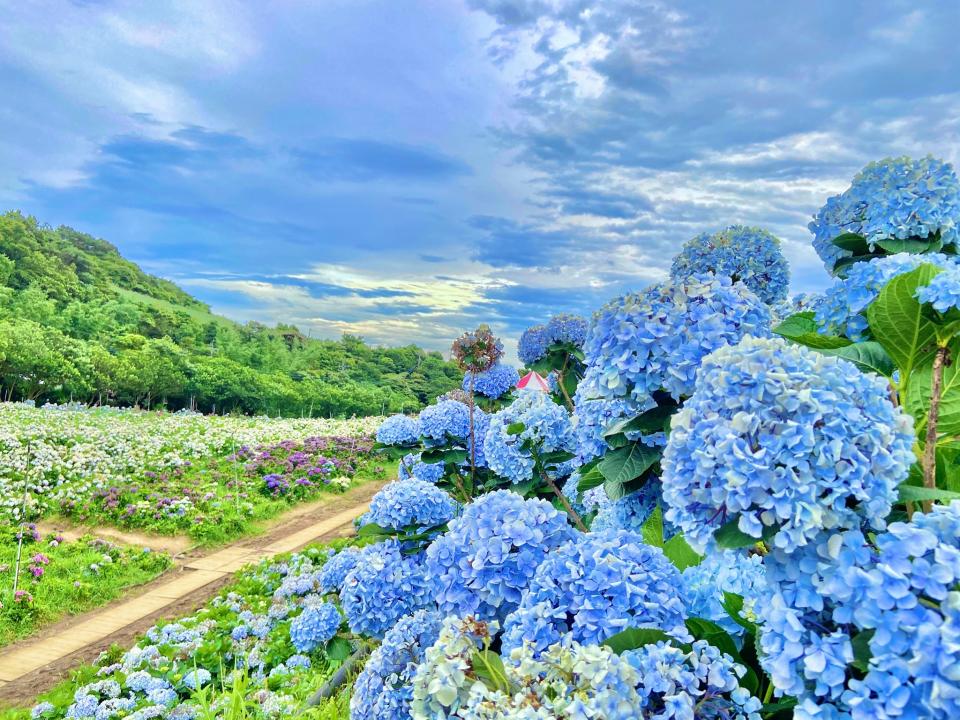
(33, 666)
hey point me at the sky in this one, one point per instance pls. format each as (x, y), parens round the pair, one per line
(406, 169)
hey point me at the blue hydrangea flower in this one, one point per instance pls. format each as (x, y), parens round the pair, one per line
(943, 292)
(411, 503)
(656, 339)
(398, 430)
(533, 345)
(777, 435)
(844, 305)
(595, 586)
(482, 565)
(196, 678)
(413, 466)
(445, 419)
(384, 689)
(385, 585)
(545, 424)
(41, 709)
(335, 570)
(315, 626)
(724, 571)
(748, 254)
(566, 328)
(631, 511)
(493, 383)
(891, 198)
(585, 502)
(701, 682)
(481, 426)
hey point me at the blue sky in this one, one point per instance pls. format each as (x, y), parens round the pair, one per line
(406, 169)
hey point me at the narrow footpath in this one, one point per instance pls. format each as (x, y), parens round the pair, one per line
(34, 665)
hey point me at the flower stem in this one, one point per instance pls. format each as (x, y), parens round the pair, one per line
(577, 520)
(933, 417)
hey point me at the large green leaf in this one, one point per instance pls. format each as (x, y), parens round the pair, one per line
(802, 329)
(857, 244)
(624, 464)
(861, 650)
(912, 493)
(680, 553)
(589, 479)
(897, 322)
(488, 667)
(919, 393)
(703, 629)
(916, 246)
(633, 638)
(651, 421)
(948, 465)
(869, 356)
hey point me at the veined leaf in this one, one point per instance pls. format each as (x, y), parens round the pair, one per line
(919, 392)
(802, 328)
(488, 667)
(623, 465)
(869, 356)
(912, 493)
(913, 245)
(857, 244)
(897, 322)
(633, 638)
(729, 536)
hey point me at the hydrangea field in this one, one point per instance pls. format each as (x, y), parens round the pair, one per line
(57, 576)
(206, 476)
(731, 505)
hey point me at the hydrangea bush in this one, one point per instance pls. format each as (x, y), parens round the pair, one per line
(493, 383)
(748, 254)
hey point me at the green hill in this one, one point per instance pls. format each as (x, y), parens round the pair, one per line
(79, 321)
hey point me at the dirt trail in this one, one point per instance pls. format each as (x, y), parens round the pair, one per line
(33, 666)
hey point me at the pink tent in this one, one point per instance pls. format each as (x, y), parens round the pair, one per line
(533, 380)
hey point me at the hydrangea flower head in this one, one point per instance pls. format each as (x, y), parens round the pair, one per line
(748, 254)
(384, 689)
(384, 585)
(779, 436)
(485, 561)
(943, 292)
(844, 305)
(398, 430)
(336, 568)
(631, 511)
(413, 466)
(315, 626)
(593, 587)
(533, 345)
(724, 571)
(546, 426)
(445, 419)
(891, 198)
(407, 503)
(566, 328)
(477, 351)
(701, 682)
(641, 343)
(493, 383)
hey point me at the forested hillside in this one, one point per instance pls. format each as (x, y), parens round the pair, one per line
(78, 321)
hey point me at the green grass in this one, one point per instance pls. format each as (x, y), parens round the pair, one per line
(77, 577)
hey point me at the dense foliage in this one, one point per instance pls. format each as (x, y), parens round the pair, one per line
(79, 322)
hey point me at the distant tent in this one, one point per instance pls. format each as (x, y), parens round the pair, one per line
(533, 380)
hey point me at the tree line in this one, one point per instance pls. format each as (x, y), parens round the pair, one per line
(80, 322)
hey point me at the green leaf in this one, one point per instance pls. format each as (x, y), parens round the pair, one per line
(733, 604)
(371, 530)
(919, 392)
(861, 650)
(652, 530)
(841, 266)
(869, 356)
(802, 328)
(703, 629)
(339, 649)
(680, 553)
(857, 244)
(896, 320)
(590, 479)
(912, 493)
(633, 638)
(654, 420)
(515, 428)
(917, 246)
(948, 465)
(488, 667)
(729, 536)
(623, 465)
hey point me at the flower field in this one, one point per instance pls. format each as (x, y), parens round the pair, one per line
(59, 576)
(206, 476)
(729, 505)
